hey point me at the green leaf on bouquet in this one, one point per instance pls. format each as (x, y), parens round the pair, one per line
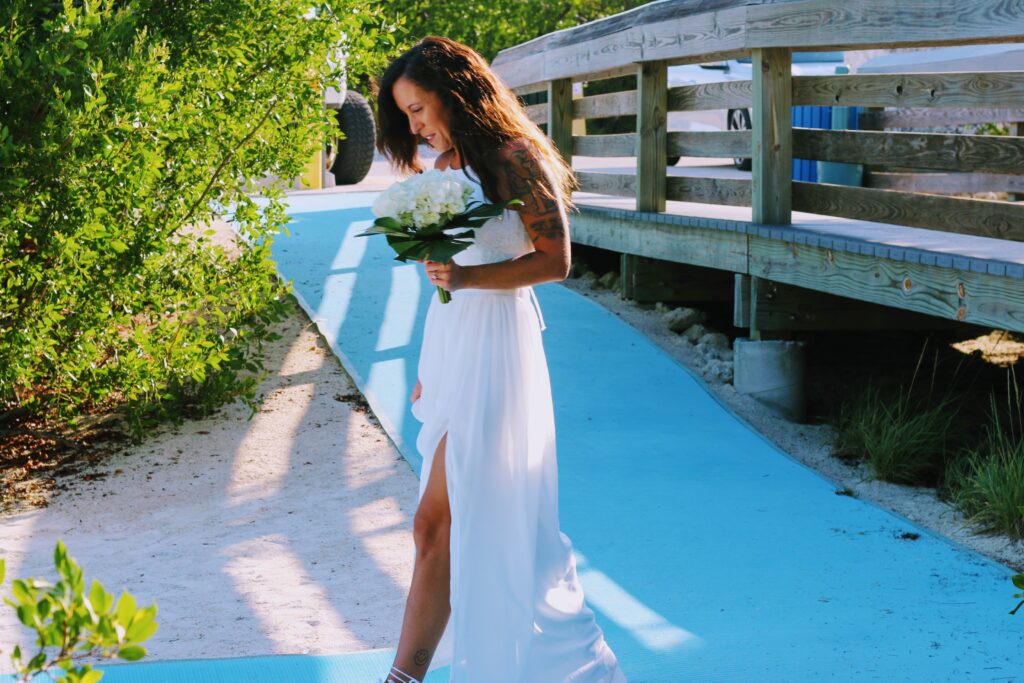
(388, 222)
(382, 230)
(444, 251)
(1018, 581)
(416, 250)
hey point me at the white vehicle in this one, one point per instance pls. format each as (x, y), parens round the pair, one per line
(804, 64)
(961, 58)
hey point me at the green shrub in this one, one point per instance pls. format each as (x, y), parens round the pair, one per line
(71, 623)
(902, 439)
(123, 126)
(987, 482)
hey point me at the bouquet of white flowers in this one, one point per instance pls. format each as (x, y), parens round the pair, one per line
(415, 214)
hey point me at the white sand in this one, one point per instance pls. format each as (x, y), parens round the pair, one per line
(290, 533)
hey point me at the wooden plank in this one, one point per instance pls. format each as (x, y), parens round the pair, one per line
(647, 280)
(786, 307)
(991, 90)
(962, 295)
(559, 108)
(619, 145)
(529, 89)
(703, 33)
(651, 129)
(986, 153)
(617, 184)
(1000, 220)
(705, 96)
(714, 144)
(725, 191)
(772, 115)
(829, 24)
(538, 113)
(935, 118)
(945, 183)
(645, 236)
(603, 106)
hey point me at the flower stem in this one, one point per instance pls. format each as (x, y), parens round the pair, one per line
(443, 294)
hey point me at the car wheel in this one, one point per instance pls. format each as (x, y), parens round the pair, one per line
(352, 156)
(739, 119)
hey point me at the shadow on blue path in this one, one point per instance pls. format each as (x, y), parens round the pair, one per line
(707, 553)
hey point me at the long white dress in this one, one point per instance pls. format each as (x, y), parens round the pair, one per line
(518, 614)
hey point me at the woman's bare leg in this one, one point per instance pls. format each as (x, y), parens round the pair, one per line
(427, 607)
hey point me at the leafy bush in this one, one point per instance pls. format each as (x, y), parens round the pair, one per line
(124, 125)
(72, 624)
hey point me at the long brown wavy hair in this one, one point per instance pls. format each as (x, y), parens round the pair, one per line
(483, 113)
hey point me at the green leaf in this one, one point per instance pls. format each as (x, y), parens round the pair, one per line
(132, 653)
(119, 246)
(125, 609)
(99, 598)
(93, 676)
(144, 625)
(388, 222)
(3, 570)
(1018, 581)
(22, 593)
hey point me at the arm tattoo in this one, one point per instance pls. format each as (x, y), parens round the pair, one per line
(549, 228)
(421, 657)
(520, 168)
(542, 215)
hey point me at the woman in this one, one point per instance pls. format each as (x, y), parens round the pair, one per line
(489, 553)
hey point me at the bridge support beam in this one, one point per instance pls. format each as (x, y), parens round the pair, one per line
(647, 280)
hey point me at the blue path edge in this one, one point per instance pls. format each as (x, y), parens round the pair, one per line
(706, 552)
(357, 667)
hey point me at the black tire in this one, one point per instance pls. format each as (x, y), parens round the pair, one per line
(354, 154)
(739, 119)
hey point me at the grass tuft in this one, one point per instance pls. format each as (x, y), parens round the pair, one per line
(987, 483)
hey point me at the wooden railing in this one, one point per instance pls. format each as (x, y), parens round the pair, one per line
(647, 40)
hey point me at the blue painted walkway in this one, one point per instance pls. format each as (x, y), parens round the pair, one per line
(707, 553)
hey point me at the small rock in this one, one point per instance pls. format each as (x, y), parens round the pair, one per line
(659, 307)
(716, 341)
(577, 269)
(589, 278)
(610, 280)
(682, 319)
(695, 332)
(718, 371)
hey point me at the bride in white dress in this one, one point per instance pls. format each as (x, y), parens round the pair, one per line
(494, 590)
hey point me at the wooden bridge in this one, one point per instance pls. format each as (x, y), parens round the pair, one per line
(805, 255)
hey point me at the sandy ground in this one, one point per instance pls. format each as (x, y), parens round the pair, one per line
(292, 532)
(286, 533)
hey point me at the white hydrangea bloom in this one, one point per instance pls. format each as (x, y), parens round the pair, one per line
(425, 199)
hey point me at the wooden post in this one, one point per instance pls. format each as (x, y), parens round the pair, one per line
(755, 290)
(627, 272)
(560, 116)
(652, 140)
(741, 301)
(1017, 128)
(772, 119)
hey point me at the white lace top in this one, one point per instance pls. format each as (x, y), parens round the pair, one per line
(499, 239)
